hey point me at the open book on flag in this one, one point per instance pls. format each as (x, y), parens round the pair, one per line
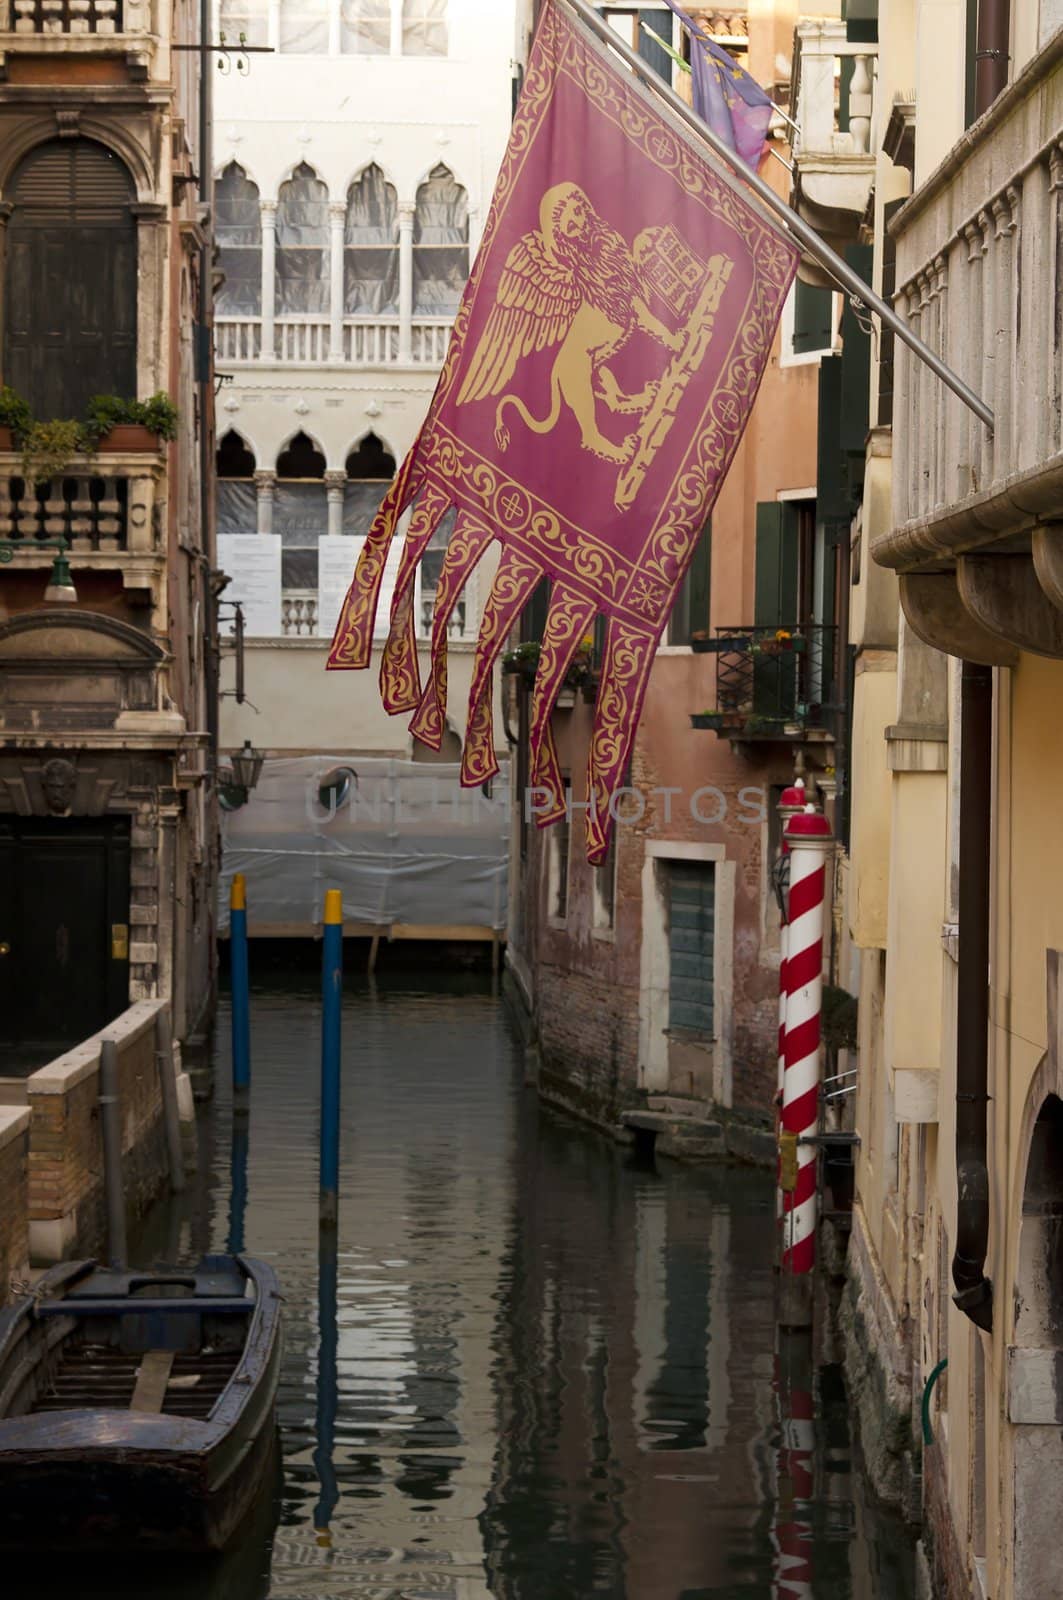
(604, 361)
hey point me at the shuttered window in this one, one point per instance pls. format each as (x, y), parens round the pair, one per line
(70, 327)
(813, 318)
(691, 922)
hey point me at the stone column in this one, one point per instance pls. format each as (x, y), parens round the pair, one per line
(6, 209)
(337, 217)
(333, 27)
(265, 489)
(269, 278)
(396, 27)
(335, 484)
(152, 296)
(406, 214)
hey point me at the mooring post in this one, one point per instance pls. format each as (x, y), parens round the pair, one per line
(111, 1130)
(168, 1089)
(331, 997)
(241, 996)
(327, 1385)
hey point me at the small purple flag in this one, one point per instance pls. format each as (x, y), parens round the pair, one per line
(725, 96)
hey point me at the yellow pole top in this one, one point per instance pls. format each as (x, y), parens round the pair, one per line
(333, 907)
(238, 893)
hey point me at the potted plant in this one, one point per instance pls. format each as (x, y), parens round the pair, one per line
(522, 661)
(49, 447)
(781, 642)
(717, 721)
(16, 419)
(113, 423)
(701, 644)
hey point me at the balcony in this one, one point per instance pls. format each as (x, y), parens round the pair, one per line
(772, 683)
(309, 341)
(833, 96)
(975, 530)
(105, 511)
(76, 27)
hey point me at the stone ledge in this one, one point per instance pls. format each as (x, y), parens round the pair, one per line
(14, 1121)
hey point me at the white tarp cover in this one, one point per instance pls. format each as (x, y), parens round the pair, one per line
(405, 844)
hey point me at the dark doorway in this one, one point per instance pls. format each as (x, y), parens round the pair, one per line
(64, 920)
(71, 303)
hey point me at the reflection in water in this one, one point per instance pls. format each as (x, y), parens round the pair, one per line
(526, 1366)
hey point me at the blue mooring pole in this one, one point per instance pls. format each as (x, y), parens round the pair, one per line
(241, 999)
(331, 996)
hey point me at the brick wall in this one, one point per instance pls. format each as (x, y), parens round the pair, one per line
(66, 1189)
(14, 1197)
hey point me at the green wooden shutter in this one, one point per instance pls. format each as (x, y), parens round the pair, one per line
(813, 318)
(652, 54)
(691, 928)
(691, 612)
(775, 591)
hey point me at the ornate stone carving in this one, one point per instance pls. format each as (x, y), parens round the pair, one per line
(58, 785)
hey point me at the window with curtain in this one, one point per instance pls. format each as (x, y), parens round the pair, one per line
(371, 247)
(304, 27)
(247, 17)
(440, 245)
(424, 27)
(238, 231)
(365, 27)
(302, 244)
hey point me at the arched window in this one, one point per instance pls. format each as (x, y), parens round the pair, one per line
(300, 511)
(440, 245)
(424, 27)
(247, 17)
(370, 468)
(70, 302)
(235, 498)
(302, 244)
(238, 230)
(365, 27)
(304, 27)
(371, 247)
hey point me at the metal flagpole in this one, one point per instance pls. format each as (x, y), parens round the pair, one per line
(795, 225)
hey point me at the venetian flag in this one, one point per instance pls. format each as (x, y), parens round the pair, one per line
(603, 364)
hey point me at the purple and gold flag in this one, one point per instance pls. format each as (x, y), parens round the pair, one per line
(603, 364)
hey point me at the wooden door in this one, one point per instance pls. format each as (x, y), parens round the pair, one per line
(64, 931)
(71, 289)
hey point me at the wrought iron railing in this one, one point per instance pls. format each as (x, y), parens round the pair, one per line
(773, 681)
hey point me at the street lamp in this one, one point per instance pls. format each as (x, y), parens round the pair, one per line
(60, 589)
(235, 785)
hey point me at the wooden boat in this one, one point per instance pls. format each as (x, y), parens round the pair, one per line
(137, 1409)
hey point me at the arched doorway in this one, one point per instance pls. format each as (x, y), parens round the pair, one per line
(70, 324)
(1035, 1375)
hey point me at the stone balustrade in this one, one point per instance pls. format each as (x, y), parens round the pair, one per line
(978, 263)
(106, 506)
(832, 96)
(309, 341)
(299, 610)
(82, 20)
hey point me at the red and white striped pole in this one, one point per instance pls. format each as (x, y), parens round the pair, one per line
(810, 841)
(791, 801)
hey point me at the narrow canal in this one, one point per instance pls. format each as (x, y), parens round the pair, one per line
(535, 1367)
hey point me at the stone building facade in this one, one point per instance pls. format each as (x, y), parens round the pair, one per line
(108, 839)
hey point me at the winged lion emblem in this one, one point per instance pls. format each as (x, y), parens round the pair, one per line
(573, 283)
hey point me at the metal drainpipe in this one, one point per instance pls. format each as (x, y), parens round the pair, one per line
(974, 1292)
(205, 363)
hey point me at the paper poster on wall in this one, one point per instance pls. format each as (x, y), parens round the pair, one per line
(253, 564)
(336, 559)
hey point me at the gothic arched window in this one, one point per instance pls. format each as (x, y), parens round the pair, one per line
(302, 244)
(70, 301)
(371, 247)
(424, 27)
(238, 231)
(235, 497)
(440, 245)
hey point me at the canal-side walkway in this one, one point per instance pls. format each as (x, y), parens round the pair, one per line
(535, 1367)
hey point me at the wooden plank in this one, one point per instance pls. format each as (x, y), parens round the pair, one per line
(154, 1375)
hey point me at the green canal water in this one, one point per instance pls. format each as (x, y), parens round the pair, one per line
(532, 1368)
